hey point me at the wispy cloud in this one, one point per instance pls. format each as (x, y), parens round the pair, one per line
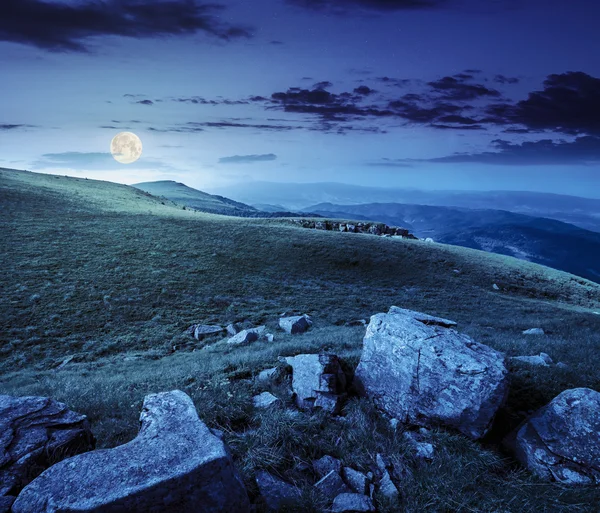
(247, 159)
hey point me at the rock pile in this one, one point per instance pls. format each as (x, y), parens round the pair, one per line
(174, 464)
(359, 227)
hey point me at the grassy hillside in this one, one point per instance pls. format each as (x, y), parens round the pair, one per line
(112, 277)
(537, 239)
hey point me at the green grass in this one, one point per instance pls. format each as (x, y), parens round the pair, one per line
(113, 277)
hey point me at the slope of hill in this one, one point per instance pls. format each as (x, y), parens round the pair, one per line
(545, 241)
(214, 204)
(582, 212)
(100, 282)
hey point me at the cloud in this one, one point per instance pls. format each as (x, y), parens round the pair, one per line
(145, 102)
(67, 27)
(501, 79)
(193, 126)
(9, 126)
(85, 161)
(247, 159)
(584, 150)
(455, 88)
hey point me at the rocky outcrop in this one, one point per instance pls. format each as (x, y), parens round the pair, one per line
(425, 374)
(295, 324)
(317, 381)
(36, 432)
(174, 464)
(359, 227)
(561, 441)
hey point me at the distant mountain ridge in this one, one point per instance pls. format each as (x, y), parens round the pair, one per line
(545, 241)
(582, 212)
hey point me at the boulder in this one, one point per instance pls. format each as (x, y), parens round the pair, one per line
(174, 464)
(423, 373)
(426, 319)
(236, 327)
(199, 331)
(264, 400)
(332, 485)
(561, 441)
(276, 493)
(352, 503)
(35, 433)
(534, 331)
(295, 324)
(317, 381)
(247, 336)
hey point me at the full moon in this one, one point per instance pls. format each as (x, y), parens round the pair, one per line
(126, 147)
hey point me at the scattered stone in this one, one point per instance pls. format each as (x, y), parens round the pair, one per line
(199, 331)
(277, 493)
(429, 239)
(270, 337)
(317, 381)
(247, 336)
(542, 359)
(267, 374)
(430, 374)
(394, 423)
(264, 400)
(295, 324)
(66, 361)
(326, 464)
(356, 322)
(356, 480)
(423, 450)
(236, 327)
(387, 488)
(174, 464)
(561, 441)
(332, 485)
(534, 331)
(352, 503)
(35, 433)
(495, 287)
(562, 365)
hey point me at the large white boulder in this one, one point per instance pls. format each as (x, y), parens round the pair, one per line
(422, 372)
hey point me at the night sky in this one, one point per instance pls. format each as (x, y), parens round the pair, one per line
(435, 94)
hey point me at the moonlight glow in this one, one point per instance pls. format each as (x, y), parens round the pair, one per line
(126, 147)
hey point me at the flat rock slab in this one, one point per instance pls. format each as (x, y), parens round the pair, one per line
(352, 503)
(561, 441)
(277, 493)
(199, 331)
(265, 400)
(295, 324)
(36, 432)
(423, 317)
(175, 464)
(423, 373)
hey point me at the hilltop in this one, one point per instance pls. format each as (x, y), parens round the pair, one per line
(101, 282)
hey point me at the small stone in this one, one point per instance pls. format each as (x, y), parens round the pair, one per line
(531, 360)
(264, 400)
(277, 493)
(247, 336)
(270, 337)
(495, 287)
(387, 487)
(199, 331)
(356, 480)
(546, 358)
(332, 485)
(394, 423)
(352, 503)
(534, 331)
(561, 365)
(326, 464)
(267, 374)
(295, 324)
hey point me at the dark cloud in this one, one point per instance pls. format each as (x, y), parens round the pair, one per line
(455, 88)
(247, 159)
(60, 26)
(9, 126)
(323, 85)
(582, 151)
(145, 102)
(385, 162)
(364, 90)
(276, 43)
(502, 79)
(399, 82)
(193, 127)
